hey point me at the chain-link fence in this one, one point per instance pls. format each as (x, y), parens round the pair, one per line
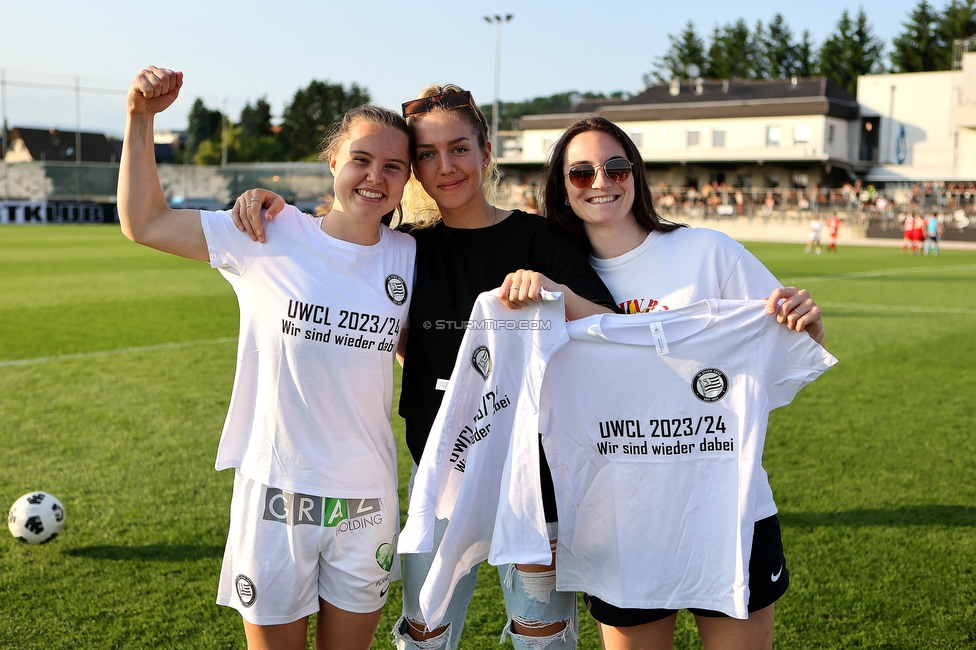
(96, 182)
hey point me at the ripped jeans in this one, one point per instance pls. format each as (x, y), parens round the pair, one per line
(531, 600)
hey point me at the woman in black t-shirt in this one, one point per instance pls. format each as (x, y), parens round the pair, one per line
(465, 246)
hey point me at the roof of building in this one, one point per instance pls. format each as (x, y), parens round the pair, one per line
(700, 99)
(53, 145)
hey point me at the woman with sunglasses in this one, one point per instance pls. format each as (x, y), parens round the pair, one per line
(595, 188)
(467, 245)
(314, 515)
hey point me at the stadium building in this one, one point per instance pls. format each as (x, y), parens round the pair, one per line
(785, 133)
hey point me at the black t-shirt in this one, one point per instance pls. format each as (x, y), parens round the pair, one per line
(454, 266)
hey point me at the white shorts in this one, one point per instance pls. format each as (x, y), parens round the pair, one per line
(285, 551)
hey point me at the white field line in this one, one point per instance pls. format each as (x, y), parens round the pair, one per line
(881, 273)
(877, 274)
(786, 282)
(106, 353)
(897, 308)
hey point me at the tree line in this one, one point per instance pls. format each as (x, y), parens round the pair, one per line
(255, 138)
(733, 51)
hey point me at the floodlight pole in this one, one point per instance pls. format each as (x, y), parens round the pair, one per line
(223, 132)
(78, 187)
(77, 120)
(3, 146)
(497, 20)
(891, 127)
(3, 110)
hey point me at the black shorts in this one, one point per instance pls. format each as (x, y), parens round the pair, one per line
(768, 580)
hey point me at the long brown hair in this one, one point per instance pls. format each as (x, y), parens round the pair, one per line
(555, 201)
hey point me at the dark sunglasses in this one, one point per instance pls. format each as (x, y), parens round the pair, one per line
(424, 105)
(617, 170)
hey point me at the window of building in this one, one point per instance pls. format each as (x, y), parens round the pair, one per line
(773, 135)
(830, 134)
(694, 138)
(801, 133)
(718, 138)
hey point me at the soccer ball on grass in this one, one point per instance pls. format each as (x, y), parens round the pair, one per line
(36, 518)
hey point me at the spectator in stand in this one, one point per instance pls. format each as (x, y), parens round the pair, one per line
(881, 204)
(668, 202)
(928, 197)
(915, 197)
(854, 198)
(846, 191)
(691, 198)
(724, 193)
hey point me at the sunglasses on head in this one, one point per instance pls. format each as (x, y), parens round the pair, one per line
(617, 170)
(424, 105)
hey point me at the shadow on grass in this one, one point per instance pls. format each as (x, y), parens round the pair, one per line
(904, 516)
(152, 552)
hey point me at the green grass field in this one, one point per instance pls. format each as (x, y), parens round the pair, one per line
(115, 371)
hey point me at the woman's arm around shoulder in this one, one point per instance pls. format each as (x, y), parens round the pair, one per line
(247, 211)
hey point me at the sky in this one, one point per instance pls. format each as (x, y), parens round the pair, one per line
(232, 53)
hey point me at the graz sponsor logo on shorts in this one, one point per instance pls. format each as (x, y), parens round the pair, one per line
(710, 385)
(481, 360)
(396, 289)
(246, 590)
(309, 510)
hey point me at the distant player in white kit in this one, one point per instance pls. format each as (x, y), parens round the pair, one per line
(816, 229)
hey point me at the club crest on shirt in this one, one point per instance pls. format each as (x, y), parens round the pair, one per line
(396, 289)
(481, 360)
(245, 590)
(710, 385)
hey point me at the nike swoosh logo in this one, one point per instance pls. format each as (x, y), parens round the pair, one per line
(383, 593)
(774, 577)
